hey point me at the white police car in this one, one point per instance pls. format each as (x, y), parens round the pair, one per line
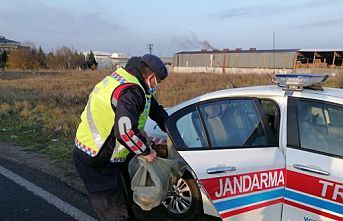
(259, 153)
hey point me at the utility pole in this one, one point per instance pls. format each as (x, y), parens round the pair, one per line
(274, 51)
(149, 47)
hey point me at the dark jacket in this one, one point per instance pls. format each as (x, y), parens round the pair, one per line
(130, 104)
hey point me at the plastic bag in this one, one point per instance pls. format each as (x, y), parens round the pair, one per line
(178, 164)
(150, 182)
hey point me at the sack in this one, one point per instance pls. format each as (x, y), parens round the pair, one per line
(150, 182)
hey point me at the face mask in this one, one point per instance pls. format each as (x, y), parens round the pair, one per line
(150, 88)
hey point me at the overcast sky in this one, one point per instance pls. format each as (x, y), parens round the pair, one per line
(129, 25)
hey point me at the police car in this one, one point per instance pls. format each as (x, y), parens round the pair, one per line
(259, 153)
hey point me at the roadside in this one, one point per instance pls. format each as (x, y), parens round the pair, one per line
(64, 172)
(28, 157)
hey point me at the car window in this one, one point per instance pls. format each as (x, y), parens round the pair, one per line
(272, 114)
(190, 130)
(233, 123)
(320, 127)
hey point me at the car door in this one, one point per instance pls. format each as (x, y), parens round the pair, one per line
(229, 145)
(314, 160)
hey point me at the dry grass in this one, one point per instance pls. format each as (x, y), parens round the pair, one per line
(181, 87)
(50, 104)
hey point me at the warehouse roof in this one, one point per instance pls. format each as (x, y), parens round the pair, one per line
(260, 51)
(320, 50)
(4, 40)
(237, 51)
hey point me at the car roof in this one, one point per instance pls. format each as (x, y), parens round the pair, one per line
(258, 91)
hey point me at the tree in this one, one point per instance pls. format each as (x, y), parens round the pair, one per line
(51, 61)
(17, 59)
(78, 61)
(41, 59)
(3, 59)
(90, 61)
(63, 57)
(82, 61)
(22, 58)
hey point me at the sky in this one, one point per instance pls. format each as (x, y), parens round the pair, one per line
(127, 26)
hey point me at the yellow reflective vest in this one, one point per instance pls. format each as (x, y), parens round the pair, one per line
(97, 119)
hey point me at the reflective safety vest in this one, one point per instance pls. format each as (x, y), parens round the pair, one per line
(97, 119)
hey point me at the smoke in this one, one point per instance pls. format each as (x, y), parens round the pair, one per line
(206, 45)
(191, 42)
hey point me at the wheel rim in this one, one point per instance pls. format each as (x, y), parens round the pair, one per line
(179, 198)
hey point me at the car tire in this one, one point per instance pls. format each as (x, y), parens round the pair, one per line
(182, 203)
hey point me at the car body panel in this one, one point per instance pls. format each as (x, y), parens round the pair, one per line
(316, 192)
(317, 197)
(255, 182)
(253, 185)
(314, 189)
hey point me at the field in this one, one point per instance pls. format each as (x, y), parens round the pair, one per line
(41, 110)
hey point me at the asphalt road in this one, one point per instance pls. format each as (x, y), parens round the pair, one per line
(27, 194)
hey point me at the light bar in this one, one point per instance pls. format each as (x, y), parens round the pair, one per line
(299, 81)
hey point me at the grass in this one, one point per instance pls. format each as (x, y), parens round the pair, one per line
(42, 110)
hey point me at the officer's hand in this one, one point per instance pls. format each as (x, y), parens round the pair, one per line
(151, 157)
(143, 133)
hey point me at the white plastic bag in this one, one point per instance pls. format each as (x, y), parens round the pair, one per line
(150, 182)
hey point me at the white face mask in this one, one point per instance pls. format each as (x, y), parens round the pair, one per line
(152, 89)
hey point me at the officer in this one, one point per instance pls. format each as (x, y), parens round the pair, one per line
(111, 132)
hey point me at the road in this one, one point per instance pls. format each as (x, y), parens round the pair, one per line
(34, 187)
(28, 194)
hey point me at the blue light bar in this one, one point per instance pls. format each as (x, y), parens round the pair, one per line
(299, 81)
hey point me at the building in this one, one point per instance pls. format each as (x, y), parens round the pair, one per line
(6, 44)
(255, 61)
(107, 60)
(119, 60)
(168, 61)
(103, 59)
(319, 58)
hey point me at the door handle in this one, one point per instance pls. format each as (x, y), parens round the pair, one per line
(311, 169)
(215, 170)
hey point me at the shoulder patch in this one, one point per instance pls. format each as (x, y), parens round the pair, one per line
(119, 89)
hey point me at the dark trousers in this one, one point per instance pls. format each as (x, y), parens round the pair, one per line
(108, 187)
(109, 205)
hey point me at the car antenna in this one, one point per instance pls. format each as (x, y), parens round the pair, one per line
(233, 85)
(228, 77)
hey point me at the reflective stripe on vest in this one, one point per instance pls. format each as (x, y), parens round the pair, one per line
(94, 131)
(119, 153)
(98, 117)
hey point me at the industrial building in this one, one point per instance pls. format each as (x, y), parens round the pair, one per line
(107, 60)
(255, 61)
(319, 58)
(113, 61)
(6, 44)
